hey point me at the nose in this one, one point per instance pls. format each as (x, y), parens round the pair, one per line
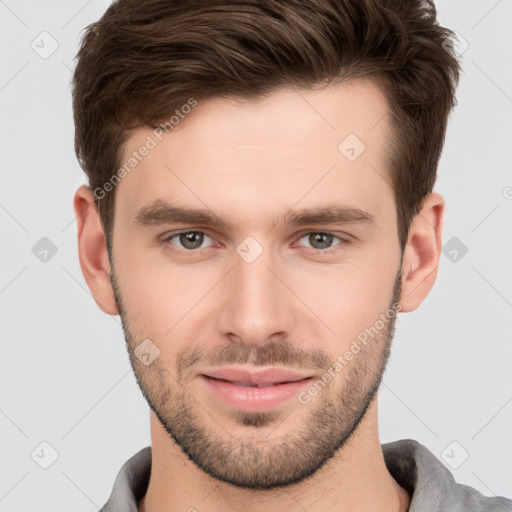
(255, 303)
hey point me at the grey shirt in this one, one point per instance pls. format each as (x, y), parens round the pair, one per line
(429, 483)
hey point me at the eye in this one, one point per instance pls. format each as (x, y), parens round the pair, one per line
(192, 241)
(187, 240)
(322, 241)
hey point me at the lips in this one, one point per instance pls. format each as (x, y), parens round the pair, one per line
(260, 379)
(256, 385)
(254, 391)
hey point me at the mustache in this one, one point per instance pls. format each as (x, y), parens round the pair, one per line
(284, 352)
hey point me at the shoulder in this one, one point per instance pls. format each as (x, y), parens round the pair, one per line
(430, 483)
(131, 483)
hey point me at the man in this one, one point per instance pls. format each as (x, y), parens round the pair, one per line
(260, 208)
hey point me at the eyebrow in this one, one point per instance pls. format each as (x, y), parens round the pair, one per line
(159, 212)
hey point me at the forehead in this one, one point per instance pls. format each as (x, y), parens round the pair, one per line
(292, 145)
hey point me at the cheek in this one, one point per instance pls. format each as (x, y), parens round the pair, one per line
(352, 298)
(161, 298)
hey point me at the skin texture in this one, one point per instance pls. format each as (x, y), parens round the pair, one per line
(292, 307)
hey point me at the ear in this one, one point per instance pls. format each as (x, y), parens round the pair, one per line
(422, 252)
(92, 250)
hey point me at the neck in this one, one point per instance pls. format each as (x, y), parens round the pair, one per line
(356, 479)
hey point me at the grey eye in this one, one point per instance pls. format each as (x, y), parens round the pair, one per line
(320, 240)
(191, 239)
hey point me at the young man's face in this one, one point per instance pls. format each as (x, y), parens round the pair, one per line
(259, 292)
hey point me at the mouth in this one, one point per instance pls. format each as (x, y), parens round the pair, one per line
(249, 385)
(246, 396)
(243, 376)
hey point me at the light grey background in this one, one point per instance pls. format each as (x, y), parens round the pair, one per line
(65, 377)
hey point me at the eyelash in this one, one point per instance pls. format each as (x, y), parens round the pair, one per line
(166, 242)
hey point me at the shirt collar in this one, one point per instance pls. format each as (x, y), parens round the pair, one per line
(429, 483)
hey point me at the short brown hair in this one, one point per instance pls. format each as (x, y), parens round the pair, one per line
(143, 60)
